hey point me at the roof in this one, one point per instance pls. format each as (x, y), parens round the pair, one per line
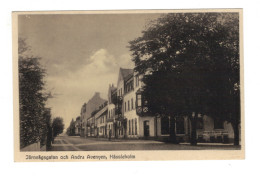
(104, 113)
(129, 76)
(113, 89)
(125, 72)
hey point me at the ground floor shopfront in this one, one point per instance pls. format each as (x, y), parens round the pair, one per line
(150, 127)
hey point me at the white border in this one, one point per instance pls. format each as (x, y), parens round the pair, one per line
(252, 86)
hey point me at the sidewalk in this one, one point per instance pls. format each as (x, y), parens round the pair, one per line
(154, 141)
(128, 140)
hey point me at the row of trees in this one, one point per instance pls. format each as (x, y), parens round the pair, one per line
(36, 124)
(71, 129)
(190, 63)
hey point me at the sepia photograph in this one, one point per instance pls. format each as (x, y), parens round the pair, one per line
(128, 85)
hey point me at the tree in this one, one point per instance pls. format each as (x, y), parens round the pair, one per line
(47, 130)
(57, 126)
(225, 90)
(32, 97)
(71, 129)
(187, 60)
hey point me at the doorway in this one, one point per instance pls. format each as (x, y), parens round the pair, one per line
(146, 128)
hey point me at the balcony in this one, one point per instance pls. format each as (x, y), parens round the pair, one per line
(117, 100)
(118, 111)
(142, 110)
(141, 104)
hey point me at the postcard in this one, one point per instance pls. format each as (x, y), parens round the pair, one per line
(128, 85)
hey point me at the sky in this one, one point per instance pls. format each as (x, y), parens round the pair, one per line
(82, 54)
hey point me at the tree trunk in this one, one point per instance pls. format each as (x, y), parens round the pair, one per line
(236, 132)
(193, 140)
(172, 130)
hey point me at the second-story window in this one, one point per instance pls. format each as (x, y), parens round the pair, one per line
(125, 106)
(137, 81)
(139, 100)
(128, 105)
(132, 104)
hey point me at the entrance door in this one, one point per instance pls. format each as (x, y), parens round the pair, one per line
(146, 128)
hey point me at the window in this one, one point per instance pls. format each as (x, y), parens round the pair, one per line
(132, 126)
(136, 81)
(128, 105)
(139, 100)
(135, 126)
(132, 104)
(132, 85)
(125, 106)
(129, 127)
(121, 92)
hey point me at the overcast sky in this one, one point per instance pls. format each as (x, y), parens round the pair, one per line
(81, 53)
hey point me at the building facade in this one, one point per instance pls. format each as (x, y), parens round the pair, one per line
(86, 111)
(126, 115)
(111, 110)
(77, 126)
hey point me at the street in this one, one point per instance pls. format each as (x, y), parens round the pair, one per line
(76, 143)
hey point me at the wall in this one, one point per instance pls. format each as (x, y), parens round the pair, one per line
(110, 107)
(151, 126)
(131, 115)
(208, 130)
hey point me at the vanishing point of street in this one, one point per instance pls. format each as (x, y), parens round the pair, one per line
(76, 143)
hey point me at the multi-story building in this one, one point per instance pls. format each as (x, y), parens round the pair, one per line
(137, 122)
(120, 120)
(96, 123)
(140, 124)
(101, 118)
(112, 100)
(126, 115)
(83, 120)
(86, 110)
(77, 126)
